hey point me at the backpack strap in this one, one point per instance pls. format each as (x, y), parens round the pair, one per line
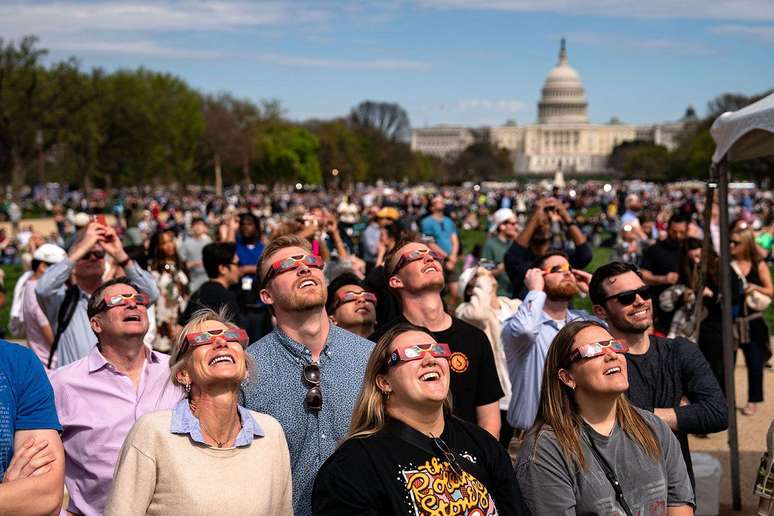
(64, 316)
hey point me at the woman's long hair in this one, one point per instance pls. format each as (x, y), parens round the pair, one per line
(370, 409)
(156, 256)
(689, 272)
(747, 243)
(559, 409)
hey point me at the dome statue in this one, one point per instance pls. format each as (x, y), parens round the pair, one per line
(563, 98)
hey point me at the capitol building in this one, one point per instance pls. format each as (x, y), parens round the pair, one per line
(563, 139)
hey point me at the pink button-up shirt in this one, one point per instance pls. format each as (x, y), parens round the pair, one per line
(97, 407)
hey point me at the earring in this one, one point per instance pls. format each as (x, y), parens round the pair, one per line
(386, 395)
(187, 388)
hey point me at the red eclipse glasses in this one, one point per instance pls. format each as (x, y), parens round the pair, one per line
(348, 297)
(122, 299)
(202, 338)
(292, 262)
(412, 256)
(417, 351)
(596, 349)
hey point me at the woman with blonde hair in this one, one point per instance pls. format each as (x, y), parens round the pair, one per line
(754, 280)
(208, 455)
(406, 454)
(590, 451)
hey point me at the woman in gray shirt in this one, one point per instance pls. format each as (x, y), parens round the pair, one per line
(590, 451)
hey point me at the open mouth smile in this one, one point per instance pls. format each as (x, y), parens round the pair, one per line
(220, 359)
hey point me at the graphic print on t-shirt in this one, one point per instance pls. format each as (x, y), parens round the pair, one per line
(434, 490)
(459, 362)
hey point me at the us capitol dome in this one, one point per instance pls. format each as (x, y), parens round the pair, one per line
(561, 140)
(563, 99)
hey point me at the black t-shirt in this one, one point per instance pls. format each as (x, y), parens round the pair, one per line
(660, 259)
(400, 471)
(474, 380)
(669, 370)
(211, 295)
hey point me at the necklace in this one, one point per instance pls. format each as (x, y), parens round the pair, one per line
(221, 444)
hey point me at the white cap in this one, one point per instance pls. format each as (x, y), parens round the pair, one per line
(465, 277)
(49, 253)
(81, 219)
(500, 216)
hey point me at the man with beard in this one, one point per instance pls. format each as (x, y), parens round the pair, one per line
(310, 371)
(537, 239)
(415, 275)
(526, 336)
(659, 268)
(86, 263)
(350, 305)
(669, 377)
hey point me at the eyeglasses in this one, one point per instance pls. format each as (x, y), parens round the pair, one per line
(509, 223)
(348, 297)
(412, 256)
(95, 254)
(628, 297)
(292, 262)
(417, 351)
(202, 338)
(313, 400)
(595, 349)
(565, 267)
(448, 455)
(122, 299)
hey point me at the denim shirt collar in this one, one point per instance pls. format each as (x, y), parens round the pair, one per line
(184, 422)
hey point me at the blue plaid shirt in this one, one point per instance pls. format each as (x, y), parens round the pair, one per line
(278, 389)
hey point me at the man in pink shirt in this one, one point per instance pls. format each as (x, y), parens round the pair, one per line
(40, 335)
(99, 397)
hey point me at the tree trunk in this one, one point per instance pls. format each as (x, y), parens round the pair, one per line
(218, 176)
(18, 175)
(246, 179)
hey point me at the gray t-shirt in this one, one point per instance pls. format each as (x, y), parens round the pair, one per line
(191, 251)
(554, 484)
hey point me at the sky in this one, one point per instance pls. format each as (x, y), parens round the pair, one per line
(468, 62)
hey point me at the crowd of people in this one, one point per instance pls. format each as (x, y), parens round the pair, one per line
(310, 352)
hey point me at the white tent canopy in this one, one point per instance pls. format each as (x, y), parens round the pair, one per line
(745, 134)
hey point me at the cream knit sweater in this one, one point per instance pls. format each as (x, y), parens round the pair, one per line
(161, 473)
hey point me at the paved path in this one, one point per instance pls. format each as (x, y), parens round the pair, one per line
(752, 442)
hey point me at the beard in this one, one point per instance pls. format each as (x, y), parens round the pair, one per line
(296, 301)
(564, 291)
(622, 324)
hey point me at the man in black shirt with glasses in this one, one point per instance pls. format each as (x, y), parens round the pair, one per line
(669, 377)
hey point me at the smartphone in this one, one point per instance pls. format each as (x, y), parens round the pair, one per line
(100, 219)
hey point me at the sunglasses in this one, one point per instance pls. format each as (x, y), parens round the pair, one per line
(292, 262)
(565, 267)
(122, 299)
(348, 297)
(412, 256)
(313, 400)
(628, 297)
(448, 455)
(417, 351)
(596, 349)
(93, 254)
(203, 338)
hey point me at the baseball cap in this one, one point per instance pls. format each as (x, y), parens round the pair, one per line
(49, 253)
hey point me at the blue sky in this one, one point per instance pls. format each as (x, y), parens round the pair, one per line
(472, 62)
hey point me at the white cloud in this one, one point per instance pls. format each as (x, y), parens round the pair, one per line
(171, 15)
(626, 41)
(760, 32)
(637, 9)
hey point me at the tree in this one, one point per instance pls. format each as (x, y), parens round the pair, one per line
(36, 106)
(286, 153)
(388, 118)
(481, 161)
(640, 159)
(340, 149)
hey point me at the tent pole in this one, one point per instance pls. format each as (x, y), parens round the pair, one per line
(728, 341)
